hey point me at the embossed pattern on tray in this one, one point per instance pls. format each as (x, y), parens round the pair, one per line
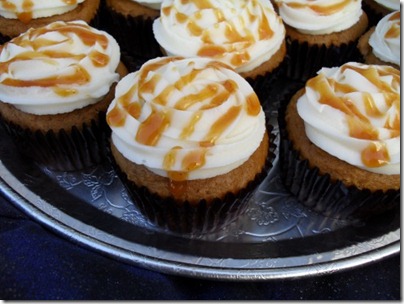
(277, 237)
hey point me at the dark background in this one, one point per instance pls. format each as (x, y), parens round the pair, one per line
(37, 264)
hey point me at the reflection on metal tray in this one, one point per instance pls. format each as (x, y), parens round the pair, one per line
(277, 237)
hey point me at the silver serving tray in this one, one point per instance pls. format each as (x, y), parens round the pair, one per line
(276, 238)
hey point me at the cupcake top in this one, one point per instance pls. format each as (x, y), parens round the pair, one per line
(58, 68)
(385, 40)
(353, 113)
(393, 5)
(243, 34)
(186, 118)
(318, 17)
(25, 10)
(154, 4)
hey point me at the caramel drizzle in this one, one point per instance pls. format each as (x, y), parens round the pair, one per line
(233, 36)
(27, 6)
(394, 30)
(152, 128)
(359, 125)
(36, 42)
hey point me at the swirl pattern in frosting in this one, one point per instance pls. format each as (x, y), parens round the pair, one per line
(318, 17)
(243, 34)
(353, 113)
(58, 68)
(385, 40)
(25, 10)
(186, 118)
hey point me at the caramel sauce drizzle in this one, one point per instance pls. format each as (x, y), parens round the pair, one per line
(27, 7)
(394, 30)
(80, 76)
(359, 125)
(153, 127)
(233, 36)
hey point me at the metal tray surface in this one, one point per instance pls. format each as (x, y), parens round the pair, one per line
(277, 237)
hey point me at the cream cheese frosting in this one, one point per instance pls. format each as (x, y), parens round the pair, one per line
(58, 68)
(393, 5)
(318, 17)
(353, 113)
(154, 4)
(25, 10)
(385, 40)
(243, 34)
(186, 118)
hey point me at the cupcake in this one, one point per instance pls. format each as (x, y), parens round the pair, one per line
(190, 141)
(320, 33)
(381, 44)
(246, 35)
(340, 141)
(56, 83)
(130, 22)
(377, 9)
(16, 17)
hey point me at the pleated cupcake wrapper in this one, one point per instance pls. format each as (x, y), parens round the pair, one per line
(262, 83)
(134, 35)
(304, 61)
(65, 150)
(132, 63)
(193, 219)
(4, 39)
(324, 196)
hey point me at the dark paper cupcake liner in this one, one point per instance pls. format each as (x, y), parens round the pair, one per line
(134, 34)
(324, 196)
(194, 219)
(304, 61)
(65, 150)
(4, 39)
(262, 83)
(373, 15)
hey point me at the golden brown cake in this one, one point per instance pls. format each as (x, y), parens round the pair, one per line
(381, 43)
(15, 20)
(53, 97)
(338, 156)
(320, 34)
(191, 134)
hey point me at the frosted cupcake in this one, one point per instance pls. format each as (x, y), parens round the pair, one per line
(189, 139)
(340, 150)
(130, 22)
(16, 17)
(320, 33)
(246, 35)
(381, 44)
(56, 83)
(377, 9)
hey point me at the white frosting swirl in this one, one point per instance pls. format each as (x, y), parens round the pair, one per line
(353, 113)
(153, 4)
(242, 34)
(393, 5)
(58, 68)
(385, 40)
(188, 118)
(318, 17)
(33, 9)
